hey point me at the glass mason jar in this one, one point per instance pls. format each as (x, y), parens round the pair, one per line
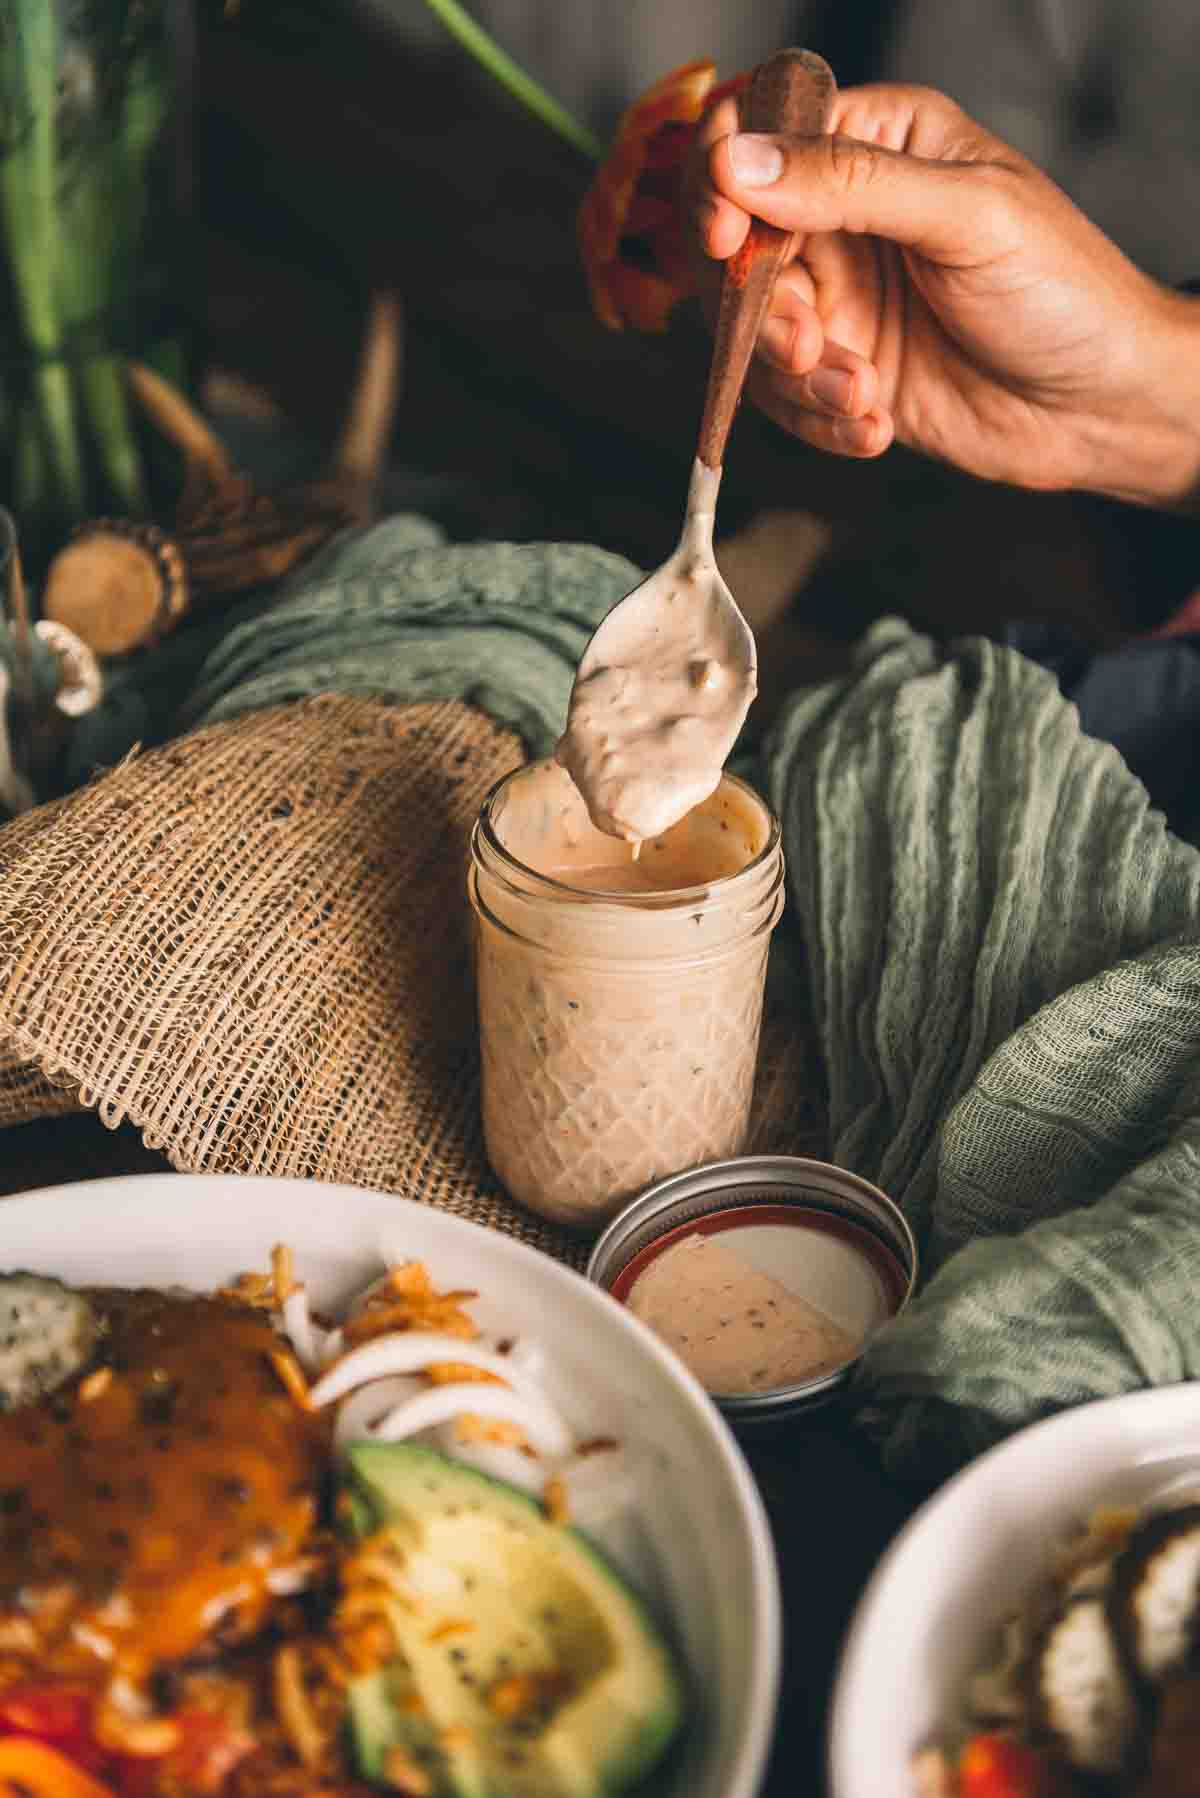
(619, 1000)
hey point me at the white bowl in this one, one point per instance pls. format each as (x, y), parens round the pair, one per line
(701, 1531)
(971, 1554)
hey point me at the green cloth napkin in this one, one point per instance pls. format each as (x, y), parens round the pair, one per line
(1003, 944)
(396, 611)
(391, 611)
(1001, 951)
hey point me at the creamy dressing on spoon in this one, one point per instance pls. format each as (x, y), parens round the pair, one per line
(663, 689)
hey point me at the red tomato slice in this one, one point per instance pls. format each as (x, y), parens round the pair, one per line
(60, 1715)
(33, 1766)
(994, 1766)
(59, 1718)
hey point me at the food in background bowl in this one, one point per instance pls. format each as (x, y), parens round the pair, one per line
(1094, 1685)
(987, 1545)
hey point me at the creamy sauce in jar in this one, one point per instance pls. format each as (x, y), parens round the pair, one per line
(662, 691)
(619, 999)
(633, 877)
(734, 1325)
(546, 826)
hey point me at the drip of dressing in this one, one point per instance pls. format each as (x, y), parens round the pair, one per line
(737, 1328)
(662, 690)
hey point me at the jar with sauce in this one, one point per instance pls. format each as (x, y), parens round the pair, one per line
(768, 1275)
(620, 999)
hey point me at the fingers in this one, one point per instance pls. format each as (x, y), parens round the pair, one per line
(812, 369)
(860, 438)
(805, 369)
(841, 386)
(720, 225)
(916, 124)
(950, 211)
(916, 119)
(792, 336)
(816, 388)
(792, 407)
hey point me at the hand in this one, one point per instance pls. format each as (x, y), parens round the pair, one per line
(946, 293)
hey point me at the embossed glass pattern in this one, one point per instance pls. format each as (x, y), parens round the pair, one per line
(618, 1032)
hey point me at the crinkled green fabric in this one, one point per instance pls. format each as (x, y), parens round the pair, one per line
(1001, 946)
(393, 611)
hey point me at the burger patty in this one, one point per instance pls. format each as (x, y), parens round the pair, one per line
(155, 1504)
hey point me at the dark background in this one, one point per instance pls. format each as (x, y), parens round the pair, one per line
(338, 147)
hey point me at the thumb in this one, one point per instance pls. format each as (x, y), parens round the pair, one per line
(949, 211)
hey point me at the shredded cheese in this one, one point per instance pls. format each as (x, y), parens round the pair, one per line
(293, 1707)
(291, 1376)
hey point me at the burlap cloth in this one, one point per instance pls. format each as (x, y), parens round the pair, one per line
(254, 945)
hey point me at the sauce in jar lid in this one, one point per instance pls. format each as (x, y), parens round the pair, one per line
(767, 1275)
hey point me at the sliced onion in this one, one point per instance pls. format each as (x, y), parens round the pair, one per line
(303, 1334)
(281, 1582)
(438, 1404)
(409, 1351)
(499, 1460)
(358, 1414)
(223, 1603)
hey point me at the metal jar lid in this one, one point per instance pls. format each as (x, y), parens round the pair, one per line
(839, 1248)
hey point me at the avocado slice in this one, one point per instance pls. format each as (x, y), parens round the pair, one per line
(526, 1666)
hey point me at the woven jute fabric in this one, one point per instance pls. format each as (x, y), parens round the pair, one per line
(254, 944)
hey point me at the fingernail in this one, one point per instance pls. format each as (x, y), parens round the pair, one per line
(756, 161)
(777, 336)
(831, 387)
(855, 434)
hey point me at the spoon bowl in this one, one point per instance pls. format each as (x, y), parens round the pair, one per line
(663, 688)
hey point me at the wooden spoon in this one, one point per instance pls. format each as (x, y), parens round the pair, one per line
(665, 683)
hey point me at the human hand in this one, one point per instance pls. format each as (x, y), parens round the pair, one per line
(946, 293)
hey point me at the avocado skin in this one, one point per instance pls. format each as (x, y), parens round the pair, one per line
(604, 1740)
(376, 1725)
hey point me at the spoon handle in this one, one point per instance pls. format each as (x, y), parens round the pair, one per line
(793, 93)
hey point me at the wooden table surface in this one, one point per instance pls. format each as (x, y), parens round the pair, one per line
(832, 1511)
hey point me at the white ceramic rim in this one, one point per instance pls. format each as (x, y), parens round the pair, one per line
(277, 1208)
(1096, 1445)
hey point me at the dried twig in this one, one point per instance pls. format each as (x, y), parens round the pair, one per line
(121, 585)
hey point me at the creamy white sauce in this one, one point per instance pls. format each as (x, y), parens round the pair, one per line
(545, 824)
(662, 690)
(737, 1328)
